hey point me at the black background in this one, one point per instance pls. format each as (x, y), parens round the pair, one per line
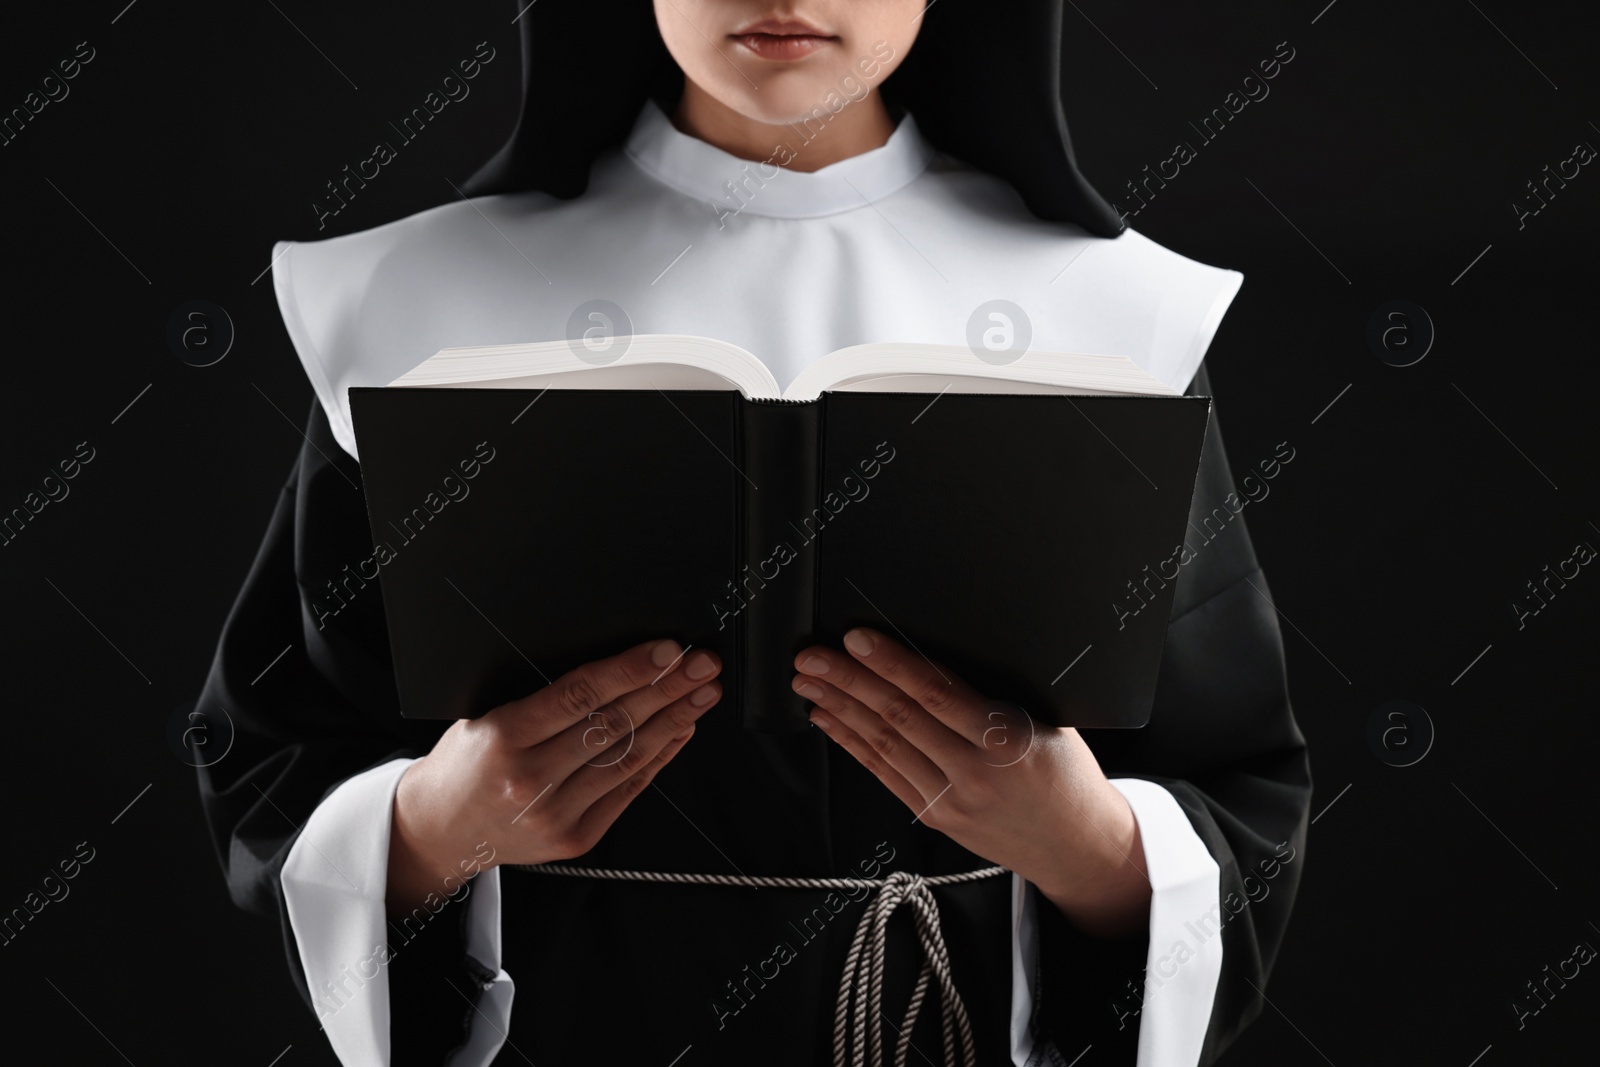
(1381, 166)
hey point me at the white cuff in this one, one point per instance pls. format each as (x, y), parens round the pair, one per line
(1024, 959)
(334, 882)
(1185, 955)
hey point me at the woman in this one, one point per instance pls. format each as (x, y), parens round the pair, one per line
(795, 178)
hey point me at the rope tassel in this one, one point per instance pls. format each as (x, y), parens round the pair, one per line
(862, 984)
(863, 980)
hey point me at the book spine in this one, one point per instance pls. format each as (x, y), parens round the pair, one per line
(777, 571)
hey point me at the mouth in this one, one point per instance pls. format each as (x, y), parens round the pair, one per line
(782, 39)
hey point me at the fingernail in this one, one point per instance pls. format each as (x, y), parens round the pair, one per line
(859, 642)
(664, 653)
(685, 735)
(821, 722)
(699, 666)
(809, 690)
(815, 665)
(703, 696)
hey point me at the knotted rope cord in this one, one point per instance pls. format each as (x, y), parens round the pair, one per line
(862, 984)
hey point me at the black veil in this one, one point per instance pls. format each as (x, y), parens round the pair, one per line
(983, 80)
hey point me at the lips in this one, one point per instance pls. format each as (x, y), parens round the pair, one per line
(779, 27)
(782, 39)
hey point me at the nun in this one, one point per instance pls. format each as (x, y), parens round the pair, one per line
(794, 177)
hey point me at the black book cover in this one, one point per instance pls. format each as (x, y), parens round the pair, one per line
(1026, 542)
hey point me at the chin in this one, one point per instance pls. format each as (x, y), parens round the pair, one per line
(784, 99)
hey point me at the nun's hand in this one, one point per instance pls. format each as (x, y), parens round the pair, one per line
(1027, 796)
(544, 777)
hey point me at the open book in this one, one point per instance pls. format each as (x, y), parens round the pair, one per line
(679, 361)
(533, 510)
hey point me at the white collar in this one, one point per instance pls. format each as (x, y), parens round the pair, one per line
(700, 170)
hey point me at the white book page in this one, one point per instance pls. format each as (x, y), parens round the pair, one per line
(643, 361)
(953, 383)
(936, 368)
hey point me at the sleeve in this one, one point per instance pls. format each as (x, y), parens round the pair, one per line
(1221, 750)
(334, 883)
(302, 672)
(1175, 1004)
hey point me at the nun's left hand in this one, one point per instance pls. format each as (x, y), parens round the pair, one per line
(1021, 794)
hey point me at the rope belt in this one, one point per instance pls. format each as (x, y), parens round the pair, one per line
(862, 984)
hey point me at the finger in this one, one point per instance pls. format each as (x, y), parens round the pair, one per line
(869, 758)
(571, 697)
(604, 735)
(946, 697)
(599, 816)
(587, 783)
(945, 743)
(867, 726)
